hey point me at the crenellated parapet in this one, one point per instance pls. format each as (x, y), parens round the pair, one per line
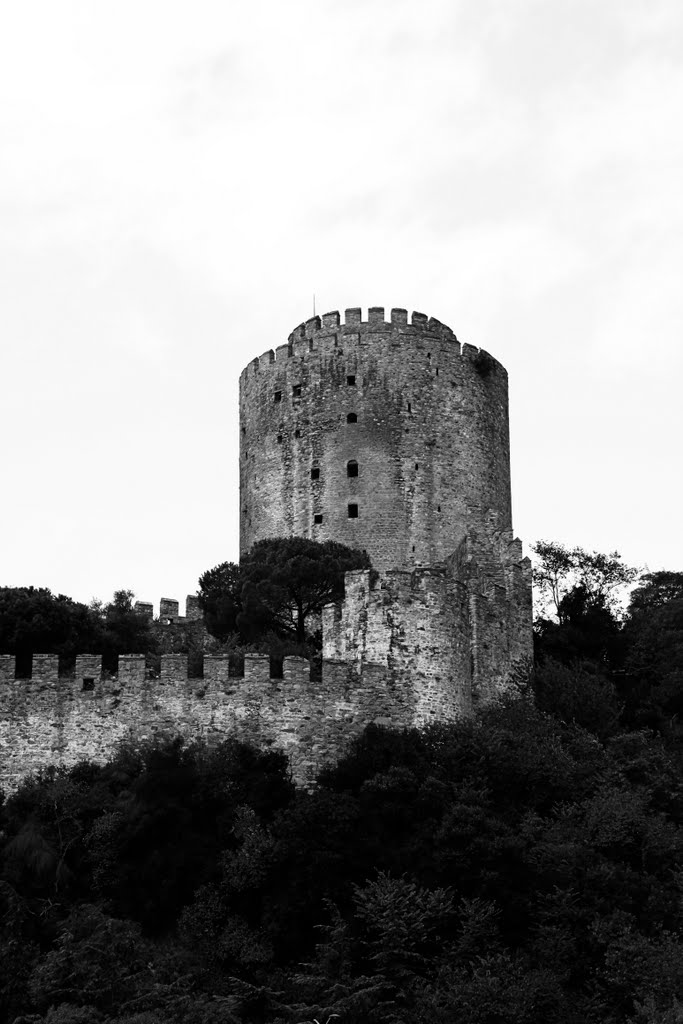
(331, 330)
(169, 610)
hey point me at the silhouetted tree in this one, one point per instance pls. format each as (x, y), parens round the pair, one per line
(280, 585)
(220, 599)
(33, 620)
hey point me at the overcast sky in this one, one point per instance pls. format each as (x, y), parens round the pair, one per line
(178, 178)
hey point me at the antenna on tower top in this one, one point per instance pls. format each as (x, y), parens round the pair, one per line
(313, 303)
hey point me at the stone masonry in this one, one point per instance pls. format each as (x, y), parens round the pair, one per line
(385, 435)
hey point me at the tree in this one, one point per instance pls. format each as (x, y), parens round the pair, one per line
(279, 586)
(653, 661)
(34, 620)
(654, 590)
(220, 600)
(123, 629)
(559, 570)
(579, 594)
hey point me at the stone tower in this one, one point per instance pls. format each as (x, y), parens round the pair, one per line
(391, 436)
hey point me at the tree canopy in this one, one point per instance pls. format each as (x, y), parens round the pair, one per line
(281, 584)
(35, 621)
(558, 571)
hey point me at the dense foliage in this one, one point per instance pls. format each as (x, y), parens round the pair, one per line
(33, 620)
(520, 867)
(279, 589)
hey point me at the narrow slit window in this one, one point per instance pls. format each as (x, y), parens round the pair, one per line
(353, 511)
(318, 518)
(417, 465)
(437, 371)
(297, 433)
(410, 408)
(352, 468)
(277, 397)
(279, 438)
(315, 473)
(351, 417)
(296, 391)
(351, 380)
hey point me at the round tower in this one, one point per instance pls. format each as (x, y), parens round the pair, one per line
(387, 436)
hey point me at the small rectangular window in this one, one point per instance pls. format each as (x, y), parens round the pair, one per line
(277, 397)
(297, 433)
(351, 380)
(315, 473)
(318, 518)
(353, 511)
(88, 684)
(296, 391)
(279, 438)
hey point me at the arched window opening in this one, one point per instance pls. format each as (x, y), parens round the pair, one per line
(351, 417)
(352, 468)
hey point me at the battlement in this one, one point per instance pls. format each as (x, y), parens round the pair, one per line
(218, 670)
(169, 610)
(331, 330)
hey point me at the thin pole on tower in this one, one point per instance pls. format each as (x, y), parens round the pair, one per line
(313, 303)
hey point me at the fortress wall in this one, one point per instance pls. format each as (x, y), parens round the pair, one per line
(50, 720)
(431, 438)
(423, 423)
(414, 625)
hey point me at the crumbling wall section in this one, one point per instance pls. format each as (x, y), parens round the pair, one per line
(412, 625)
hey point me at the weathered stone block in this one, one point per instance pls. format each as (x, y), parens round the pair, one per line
(131, 669)
(45, 669)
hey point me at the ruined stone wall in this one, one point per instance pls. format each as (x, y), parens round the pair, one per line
(50, 720)
(460, 627)
(411, 625)
(429, 438)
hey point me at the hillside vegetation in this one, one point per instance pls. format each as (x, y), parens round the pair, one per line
(522, 866)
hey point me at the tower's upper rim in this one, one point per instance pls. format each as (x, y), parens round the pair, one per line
(320, 331)
(376, 321)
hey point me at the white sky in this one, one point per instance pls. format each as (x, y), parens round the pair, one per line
(177, 178)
